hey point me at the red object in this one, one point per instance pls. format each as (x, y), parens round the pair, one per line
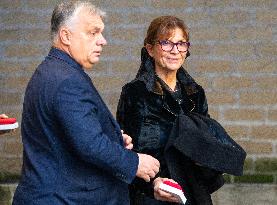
(6, 121)
(172, 184)
(175, 189)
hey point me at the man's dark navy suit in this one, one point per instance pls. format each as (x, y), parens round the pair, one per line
(73, 147)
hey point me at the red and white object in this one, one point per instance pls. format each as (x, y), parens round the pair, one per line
(175, 189)
(8, 123)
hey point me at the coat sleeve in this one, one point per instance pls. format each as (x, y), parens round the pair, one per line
(128, 115)
(77, 113)
(125, 110)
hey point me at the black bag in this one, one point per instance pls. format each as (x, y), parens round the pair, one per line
(206, 142)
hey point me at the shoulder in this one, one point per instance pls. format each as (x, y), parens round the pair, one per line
(133, 91)
(135, 85)
(50, 75)
(185, 78)
(57, 77)
(60, 69)
(188, 82)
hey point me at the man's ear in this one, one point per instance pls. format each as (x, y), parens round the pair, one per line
(65, 36)
(149, 49)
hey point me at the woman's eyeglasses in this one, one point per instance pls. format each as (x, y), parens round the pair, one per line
(167, 45)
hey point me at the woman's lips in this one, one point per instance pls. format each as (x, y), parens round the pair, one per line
(174, 60)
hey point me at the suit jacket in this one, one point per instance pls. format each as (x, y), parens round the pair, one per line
(73, 147)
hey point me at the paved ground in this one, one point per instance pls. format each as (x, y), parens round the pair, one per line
(229, 194)
(246, 194)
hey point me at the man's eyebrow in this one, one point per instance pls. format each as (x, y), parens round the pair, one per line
(95, 29)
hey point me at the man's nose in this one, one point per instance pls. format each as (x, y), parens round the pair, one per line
(102, 41)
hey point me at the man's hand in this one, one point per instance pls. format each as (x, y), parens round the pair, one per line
(148, 167)
(127, 141)
(3, 116)
(163, 195)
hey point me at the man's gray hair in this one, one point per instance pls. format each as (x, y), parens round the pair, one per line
(65, 11)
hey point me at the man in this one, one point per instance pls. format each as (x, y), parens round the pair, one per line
(73, 148)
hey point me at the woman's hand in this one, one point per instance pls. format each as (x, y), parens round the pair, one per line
(163, 195)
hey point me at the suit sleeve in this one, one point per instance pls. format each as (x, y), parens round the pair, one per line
(77, 112)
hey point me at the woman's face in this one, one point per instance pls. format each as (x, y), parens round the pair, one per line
(168, 60)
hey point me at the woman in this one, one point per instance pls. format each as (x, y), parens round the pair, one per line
(149, 104)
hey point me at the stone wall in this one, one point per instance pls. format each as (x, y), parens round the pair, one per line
(233, 56)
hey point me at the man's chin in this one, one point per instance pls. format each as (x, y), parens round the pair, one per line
(91, 64)
(95, 60)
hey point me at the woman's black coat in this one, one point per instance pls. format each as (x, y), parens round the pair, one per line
(147, 112)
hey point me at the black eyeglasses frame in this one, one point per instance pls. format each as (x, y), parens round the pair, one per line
(173, 44)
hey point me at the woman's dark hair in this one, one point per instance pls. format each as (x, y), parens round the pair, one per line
(162, 27)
